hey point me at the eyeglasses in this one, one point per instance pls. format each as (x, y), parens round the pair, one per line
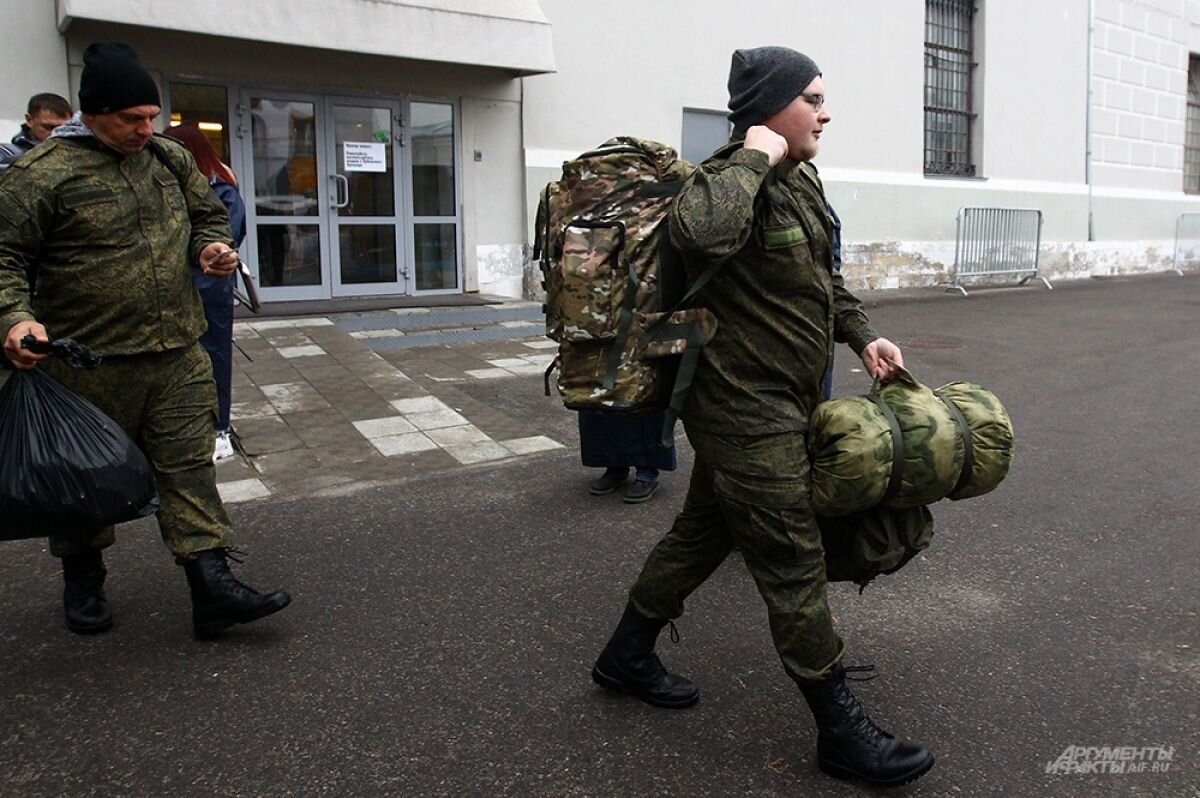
(817, 101)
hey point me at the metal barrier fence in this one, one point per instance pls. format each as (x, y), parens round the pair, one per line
(997, 241)
(1187, 241)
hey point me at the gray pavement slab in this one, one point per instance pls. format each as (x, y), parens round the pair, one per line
(446, 615)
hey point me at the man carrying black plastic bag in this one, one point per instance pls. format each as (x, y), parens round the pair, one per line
(64, 463)
(115, 233)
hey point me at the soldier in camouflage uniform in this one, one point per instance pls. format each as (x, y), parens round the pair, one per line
(758, 207)
(115, 222)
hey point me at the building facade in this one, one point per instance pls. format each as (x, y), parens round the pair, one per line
(397, 147)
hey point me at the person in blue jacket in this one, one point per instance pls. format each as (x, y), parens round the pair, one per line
(217, 292)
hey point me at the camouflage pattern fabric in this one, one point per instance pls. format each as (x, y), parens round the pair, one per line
(655, 335)
(114, 239)
(165, 402)
(600, 233)
(779, 304)
(752, 492)
(992, 440)
(881, 540)
(852, 449)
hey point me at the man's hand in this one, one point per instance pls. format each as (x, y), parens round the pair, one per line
(218, 260)
(19, 357)
(763, 139)
(882, 359)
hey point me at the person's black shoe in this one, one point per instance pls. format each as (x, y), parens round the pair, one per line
(84, 605)
(628, 664)
(612, 479)
(850, 745)
(219, 600)
(640, 491)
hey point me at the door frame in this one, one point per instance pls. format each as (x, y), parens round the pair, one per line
(399, 218)
(253, 225)
(459, 149)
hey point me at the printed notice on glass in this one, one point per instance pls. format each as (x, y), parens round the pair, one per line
(364, 156)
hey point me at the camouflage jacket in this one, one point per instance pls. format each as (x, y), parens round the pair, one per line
(779, 303)
(114, 239)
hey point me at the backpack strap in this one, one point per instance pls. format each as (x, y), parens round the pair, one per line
(710, 271)
(159, 152)
(690, 332)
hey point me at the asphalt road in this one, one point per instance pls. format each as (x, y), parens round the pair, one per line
(443, 627)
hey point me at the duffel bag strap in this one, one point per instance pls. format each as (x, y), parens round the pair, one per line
(893, 486)
(964, 432)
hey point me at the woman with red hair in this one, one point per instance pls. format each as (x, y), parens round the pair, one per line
(217, 292)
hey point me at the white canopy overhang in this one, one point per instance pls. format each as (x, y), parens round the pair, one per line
(513, 35)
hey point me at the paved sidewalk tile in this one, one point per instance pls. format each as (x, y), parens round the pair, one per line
(243, 490)
(325, 402)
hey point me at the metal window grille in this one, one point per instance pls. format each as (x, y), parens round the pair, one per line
(1191, 146)
(949, 62)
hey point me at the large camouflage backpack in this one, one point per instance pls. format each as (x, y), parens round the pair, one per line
(905, 445)
(614, 286)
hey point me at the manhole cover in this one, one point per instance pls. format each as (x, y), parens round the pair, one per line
(930, 343)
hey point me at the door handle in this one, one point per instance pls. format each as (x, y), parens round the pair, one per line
(340, 183)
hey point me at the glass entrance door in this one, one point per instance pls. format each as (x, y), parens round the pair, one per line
(365, 198)
(284, 199)
(350, 196)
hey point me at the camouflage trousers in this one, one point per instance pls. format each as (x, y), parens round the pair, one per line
(751, 492)
(166, 402)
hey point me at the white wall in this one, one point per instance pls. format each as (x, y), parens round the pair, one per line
(32, 60)
(1140, 92)
(632, 68)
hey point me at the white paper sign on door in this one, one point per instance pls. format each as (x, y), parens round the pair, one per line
(364, 156)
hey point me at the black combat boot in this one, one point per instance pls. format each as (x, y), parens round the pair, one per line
(84, 603)
(850, 745)
(219, 600)
(628, 664)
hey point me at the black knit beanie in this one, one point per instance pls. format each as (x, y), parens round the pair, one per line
(113, 79)
(763, 80)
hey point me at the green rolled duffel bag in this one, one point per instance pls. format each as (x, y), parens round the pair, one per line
(905, 445)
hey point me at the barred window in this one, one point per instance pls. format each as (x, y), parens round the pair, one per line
(1191, 145)
(949, 104)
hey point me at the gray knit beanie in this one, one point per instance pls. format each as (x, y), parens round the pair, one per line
(764, 79)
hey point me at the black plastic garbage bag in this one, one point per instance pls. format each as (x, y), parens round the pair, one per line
(64, 464)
